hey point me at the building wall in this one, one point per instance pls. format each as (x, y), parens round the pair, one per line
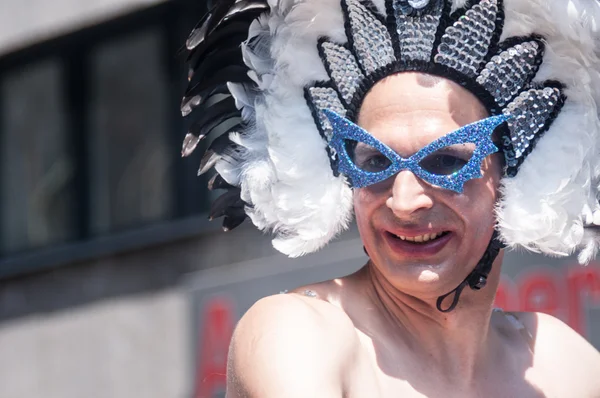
(122, 347)
(25, 22)
(112, 327)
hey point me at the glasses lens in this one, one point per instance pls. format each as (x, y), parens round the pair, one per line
(448, 160)
(366, 158)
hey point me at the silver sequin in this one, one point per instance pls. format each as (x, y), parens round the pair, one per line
(464, 45)
(345, 71)
(326, 98)
(509, 71)
(371, 39)
(417, 34)
(530, 113)
(418, 4)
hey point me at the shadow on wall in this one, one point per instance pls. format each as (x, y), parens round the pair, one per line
(148, 270)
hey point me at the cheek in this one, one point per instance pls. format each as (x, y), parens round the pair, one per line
(360, 206)
(480, 197)
(366, 202)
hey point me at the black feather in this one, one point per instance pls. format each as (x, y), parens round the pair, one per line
(189, 144)
(234, 219)
(218, 182)
(196, 99)
(213, 116)
(218, 13)
(189, 103)
(221, 147)
(222, 144)
(209, 159)
(209, 22)
(230, 199)
(244, 10)
(235, 23)
(231, 36)
(203, 131)
(217, 60)
(230, 73)
(198, 33)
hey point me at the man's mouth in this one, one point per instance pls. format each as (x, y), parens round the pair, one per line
(421, 238)
(418, 246)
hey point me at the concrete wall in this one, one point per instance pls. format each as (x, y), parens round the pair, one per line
(115, 327)
(123, 347)
(25, 22)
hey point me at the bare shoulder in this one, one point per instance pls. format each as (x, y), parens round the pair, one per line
(563, 351)
(290, 345)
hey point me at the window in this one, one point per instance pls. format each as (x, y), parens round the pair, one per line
(90, 132)
(130, 156)
(37, 168)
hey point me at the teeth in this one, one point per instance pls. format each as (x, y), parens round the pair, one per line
(419, 239)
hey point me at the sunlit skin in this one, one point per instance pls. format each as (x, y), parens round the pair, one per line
(406, 115)
(377, 333)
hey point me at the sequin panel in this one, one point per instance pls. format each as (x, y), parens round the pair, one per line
(326, 98)
(371, 39)
(530, 112)
(345, 71)
(465, 44)
(478, 133)
(511, 70)
(416, 34)
(418, 4)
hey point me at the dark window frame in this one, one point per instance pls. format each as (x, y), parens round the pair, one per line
(174, 19)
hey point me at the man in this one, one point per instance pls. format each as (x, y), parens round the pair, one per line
(377, 333)
(429, 114)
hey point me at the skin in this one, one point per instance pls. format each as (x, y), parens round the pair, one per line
(377, 333)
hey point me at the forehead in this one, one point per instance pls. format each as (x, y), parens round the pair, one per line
(416, 109)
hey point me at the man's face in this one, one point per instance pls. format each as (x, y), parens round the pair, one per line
(397, 217)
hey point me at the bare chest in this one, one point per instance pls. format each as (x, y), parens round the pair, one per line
(378, 384)
(377, 378)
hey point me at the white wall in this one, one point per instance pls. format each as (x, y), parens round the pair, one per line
(131, 346)
(25, 22)
(120, 326)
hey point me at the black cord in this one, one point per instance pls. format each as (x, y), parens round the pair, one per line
(477, 279)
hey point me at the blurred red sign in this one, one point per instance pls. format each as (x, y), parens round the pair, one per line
(565, 293)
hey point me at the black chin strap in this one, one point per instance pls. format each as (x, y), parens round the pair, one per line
(477, 279)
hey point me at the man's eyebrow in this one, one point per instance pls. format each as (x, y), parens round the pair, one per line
(456, 149)
(365, 147)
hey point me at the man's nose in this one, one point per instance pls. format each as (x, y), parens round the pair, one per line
(408, 195)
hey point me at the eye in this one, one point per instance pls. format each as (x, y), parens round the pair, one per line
(367, 158)
(447, 161)
(442, 164)
(375, 163)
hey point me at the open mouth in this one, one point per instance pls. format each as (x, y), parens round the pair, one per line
(421, 239)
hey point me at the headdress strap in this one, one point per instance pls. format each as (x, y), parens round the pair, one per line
(477, 279)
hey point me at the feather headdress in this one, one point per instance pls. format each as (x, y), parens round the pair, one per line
(263, 72)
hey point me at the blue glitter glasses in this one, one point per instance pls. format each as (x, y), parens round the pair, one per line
(444, 162)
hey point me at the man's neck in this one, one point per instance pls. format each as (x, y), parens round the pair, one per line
(456, 343)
